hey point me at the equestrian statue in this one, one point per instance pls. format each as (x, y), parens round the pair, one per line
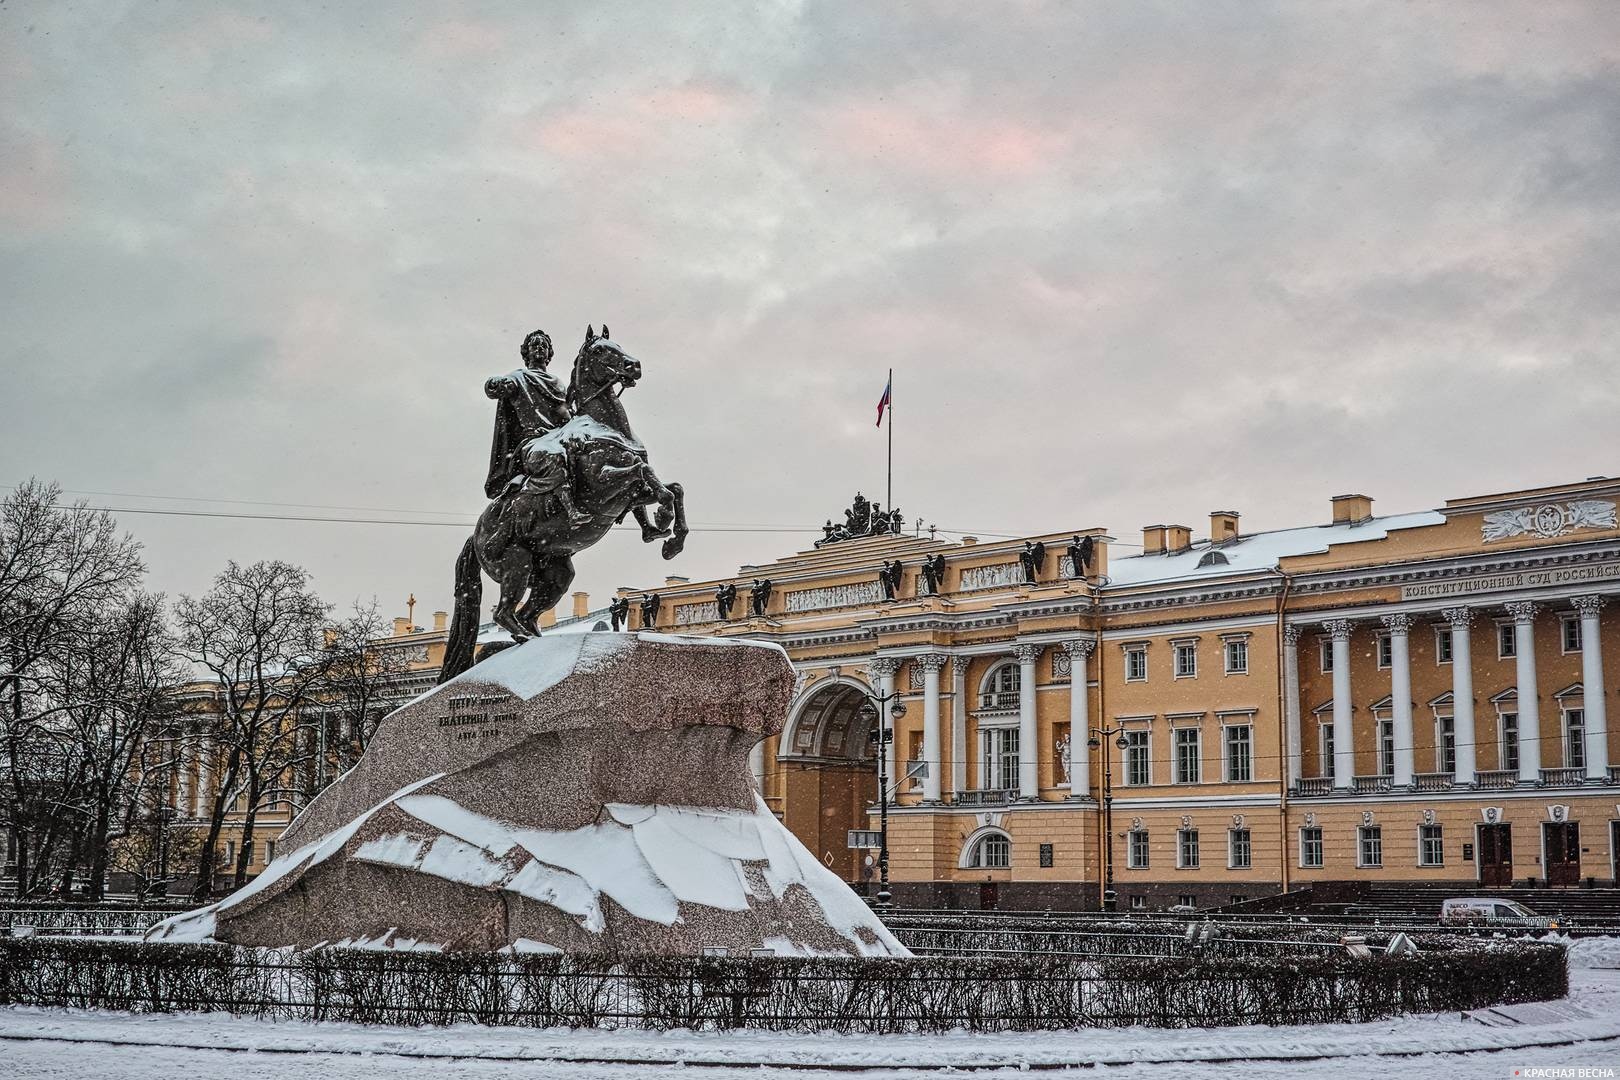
(564, 469)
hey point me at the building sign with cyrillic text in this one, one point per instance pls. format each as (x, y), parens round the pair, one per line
(1521, 579)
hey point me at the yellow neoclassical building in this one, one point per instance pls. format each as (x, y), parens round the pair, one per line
(1408, 698)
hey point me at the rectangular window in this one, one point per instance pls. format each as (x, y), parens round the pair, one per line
(1324, 767)
(1572, 635)
(1186, 660)
(1138, 902)
(1370, 846)
(1187, 849)
(1187, 756)
(1386, 651)
(1431, 846)
(1575, 738)
(1506, 641)
(1508, 745)
(1442, 646)
(1238, 849)
(1324, 647)
(1386, 748)
(1000, 758)
(1239, 753)
(1136, 850)
(1136, 759)
(1136, 664)
(1237, 657)
(1310, 848)
(1187, 900)
(1446, 741)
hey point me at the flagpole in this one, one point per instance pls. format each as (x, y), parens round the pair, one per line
(888, 492)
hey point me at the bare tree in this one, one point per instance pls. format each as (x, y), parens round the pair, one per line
(363, 683)
(259, 635)
(64, 572)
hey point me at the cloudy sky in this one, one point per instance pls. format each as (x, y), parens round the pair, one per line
(1129, 261)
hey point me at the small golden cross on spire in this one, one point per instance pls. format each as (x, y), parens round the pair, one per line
(410, 609)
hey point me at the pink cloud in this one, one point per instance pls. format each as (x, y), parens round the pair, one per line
(33, 183)
(956, 147)
(631, 125)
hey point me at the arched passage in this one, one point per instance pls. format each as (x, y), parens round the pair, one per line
(828, 771)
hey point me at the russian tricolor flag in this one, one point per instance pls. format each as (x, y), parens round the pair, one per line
(883, 402)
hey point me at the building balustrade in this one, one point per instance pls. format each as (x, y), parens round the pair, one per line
(1614, 774)
(1370, 785)
(1496, 779)
(1313, 785)
(986, 796)
(1432, 781)
(1563, 777)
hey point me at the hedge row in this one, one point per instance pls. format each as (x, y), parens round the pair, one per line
(926, 994)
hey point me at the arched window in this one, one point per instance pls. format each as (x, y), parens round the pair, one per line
(1000, 688)
(992, 851)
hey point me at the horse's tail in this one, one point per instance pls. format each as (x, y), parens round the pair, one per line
(463, 639)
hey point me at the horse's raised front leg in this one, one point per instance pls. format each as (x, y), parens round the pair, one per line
(649, 530)
(677, 540)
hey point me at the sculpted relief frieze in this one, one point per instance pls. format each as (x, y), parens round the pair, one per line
(1549, 519)
(831, 596)
(989, 577)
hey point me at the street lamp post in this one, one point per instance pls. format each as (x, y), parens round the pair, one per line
(882, 736)
(1095, 741)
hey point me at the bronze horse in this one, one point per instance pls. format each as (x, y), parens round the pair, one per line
(526, 543)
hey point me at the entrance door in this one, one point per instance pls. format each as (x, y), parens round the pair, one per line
(1496, 855)
(1562, 842)
(989, 895)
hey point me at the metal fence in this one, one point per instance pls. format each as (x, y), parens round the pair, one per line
(926, 994)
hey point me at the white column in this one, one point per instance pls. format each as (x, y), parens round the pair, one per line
(1079, 651)
(1295, 746)
(931, 663)
(1400, 696)
(959, 714)
(1344, 745)
(1592, 700)
(1529, 704)
(205, 790)
(883, 670)
(1462, 693)
(1029, 784)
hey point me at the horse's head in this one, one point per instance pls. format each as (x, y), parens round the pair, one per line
(600, 364)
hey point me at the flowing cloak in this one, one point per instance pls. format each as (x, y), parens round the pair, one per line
(536, 406)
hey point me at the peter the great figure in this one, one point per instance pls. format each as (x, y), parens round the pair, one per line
(533, 403)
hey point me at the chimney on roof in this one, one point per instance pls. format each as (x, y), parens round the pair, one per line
(673, 580)
(548, 617)
(402, 626)
(969, 541)
(1351, 509)
(1153, 539)
(441, 620)
(1177, 538)
(1223, 525)
(582, 604)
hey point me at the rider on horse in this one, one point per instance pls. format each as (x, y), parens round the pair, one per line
(533, 402)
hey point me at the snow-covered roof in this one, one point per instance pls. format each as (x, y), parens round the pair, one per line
(1256, 552)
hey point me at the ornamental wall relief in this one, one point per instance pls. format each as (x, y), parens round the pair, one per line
(1548, 519)
(831, 596)
(989, 577)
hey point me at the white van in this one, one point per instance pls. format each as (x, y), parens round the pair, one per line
(1493, 912)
